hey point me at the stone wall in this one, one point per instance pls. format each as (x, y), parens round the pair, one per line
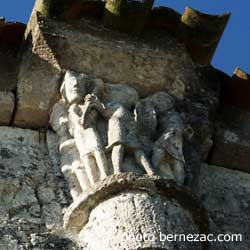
(31, 204)
(36, 209)
(34, 197)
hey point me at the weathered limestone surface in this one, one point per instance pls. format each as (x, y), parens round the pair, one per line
(232, 139)
(148, 66)
(118, 58)
(143, 215)
(29, 208)
(225, 194)
(7, 103)
(131, 205)
(139, 102)
(32, 194)
(38, 78)
(11, 35)
(8, 69)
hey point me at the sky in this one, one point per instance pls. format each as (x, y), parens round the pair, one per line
(233, 50)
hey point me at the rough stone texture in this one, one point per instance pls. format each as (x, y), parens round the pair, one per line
(7, 103)
(62, 191)
(29, 209)
(31, 188)
(8, 69)
(118, 222)
(153, 191)
(232, 139)
(117, 58)
(38, 79)
(33, 192)
(149, 66)
(225, 194)
(11, 35)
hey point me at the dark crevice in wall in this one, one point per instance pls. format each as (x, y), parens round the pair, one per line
(15, 106)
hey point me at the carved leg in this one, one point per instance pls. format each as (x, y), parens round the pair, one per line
(74, 187)
(157, 157)
(82, 177)
(102, 163)
(117, 158)
(179, 171)
(166, 171)
(90, 166)
(142, 160)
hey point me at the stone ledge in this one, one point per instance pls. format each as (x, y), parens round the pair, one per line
(148, 66)
(78, 213)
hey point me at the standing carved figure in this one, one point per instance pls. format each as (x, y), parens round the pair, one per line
(73, 87)
(119, 119)
(123, 128)
(82, 126)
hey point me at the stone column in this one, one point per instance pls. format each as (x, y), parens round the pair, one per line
(127, 211)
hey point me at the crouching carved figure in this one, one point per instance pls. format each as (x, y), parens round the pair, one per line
(167, 150)
(162, 129)
(167, 153)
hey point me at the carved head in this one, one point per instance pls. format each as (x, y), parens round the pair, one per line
(162, 102)
(145, 117)
(73, 88)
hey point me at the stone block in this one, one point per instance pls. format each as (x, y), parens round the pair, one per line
(225, 193)
(147, 65)
(232, 139)
(28, 205)
(236, 89)
(7, 102)
(38, 79)
(11, 35)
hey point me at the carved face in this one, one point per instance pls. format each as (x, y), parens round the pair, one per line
(73, 87)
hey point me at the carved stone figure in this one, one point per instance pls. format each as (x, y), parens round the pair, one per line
(73, 169)
(148, 128)
(82, 126)
(71, 165)
(168, 148)
(134, 144)
(145, 117)
(119, 119)
(123, 129)
(73, 89)
(160, 132)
